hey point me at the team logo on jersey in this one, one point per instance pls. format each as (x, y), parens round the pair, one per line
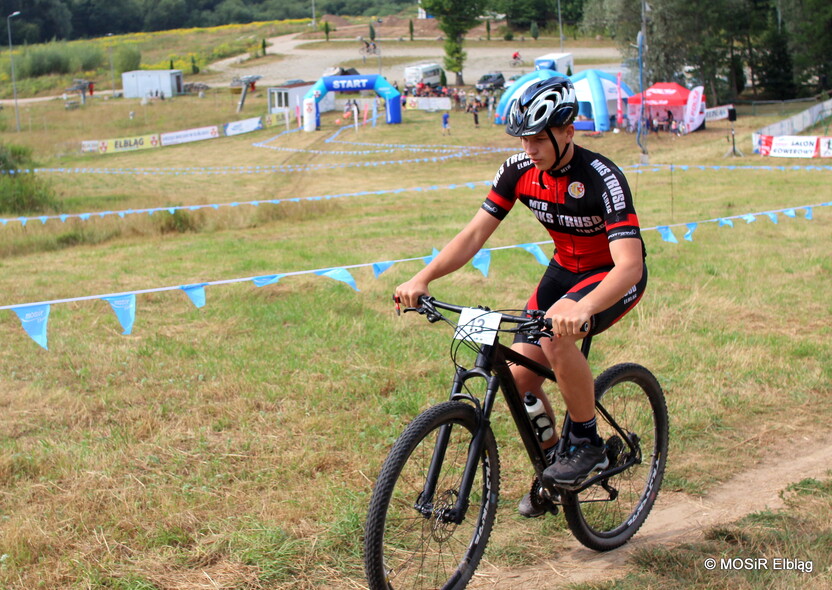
(576, 189)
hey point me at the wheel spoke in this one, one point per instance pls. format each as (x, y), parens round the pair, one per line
(413, 542)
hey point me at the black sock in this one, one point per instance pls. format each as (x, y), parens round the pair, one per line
(585, 431)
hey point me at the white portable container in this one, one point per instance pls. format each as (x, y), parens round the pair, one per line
(428, 74)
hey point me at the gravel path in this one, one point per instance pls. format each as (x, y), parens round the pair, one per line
(310, 64)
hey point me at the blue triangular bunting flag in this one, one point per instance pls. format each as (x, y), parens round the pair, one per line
(689, 234)
(380, 267)
(481, 261)
(339, 274)
(535, 251)
(428, 259)
(773, 216)
(667, 234)
(267, 280)
(196, 293)
(34, 318)
(124, 307)
(726, 221)
(808, 213)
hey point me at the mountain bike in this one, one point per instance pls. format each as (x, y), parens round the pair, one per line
(435, 500)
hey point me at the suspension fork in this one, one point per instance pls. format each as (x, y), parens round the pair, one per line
(457, 513)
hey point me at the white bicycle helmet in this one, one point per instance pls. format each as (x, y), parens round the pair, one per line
(544, 104)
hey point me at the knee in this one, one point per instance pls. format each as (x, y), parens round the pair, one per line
(526, 380)
(557, 350)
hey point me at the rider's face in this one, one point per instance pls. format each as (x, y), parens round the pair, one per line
(540, 149)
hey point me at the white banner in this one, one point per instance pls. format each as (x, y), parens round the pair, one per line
(793, 146)
(189, 135)
(429, 103)
(694, 113)
(718, 113)
(244, 126)
(89, 146)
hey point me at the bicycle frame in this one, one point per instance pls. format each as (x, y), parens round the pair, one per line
(492, 365)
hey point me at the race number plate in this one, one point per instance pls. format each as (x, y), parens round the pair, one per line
(477, 325)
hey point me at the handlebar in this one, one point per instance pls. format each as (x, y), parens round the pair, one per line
(534, 323)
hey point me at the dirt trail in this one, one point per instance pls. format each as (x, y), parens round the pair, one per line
(675, 519)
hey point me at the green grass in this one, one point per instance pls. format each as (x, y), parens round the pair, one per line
(241, 440)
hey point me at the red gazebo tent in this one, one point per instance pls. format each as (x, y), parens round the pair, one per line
(658, 99)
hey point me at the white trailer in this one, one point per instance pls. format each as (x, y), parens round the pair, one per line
(428, 74)
(152, 83)
(560, 62)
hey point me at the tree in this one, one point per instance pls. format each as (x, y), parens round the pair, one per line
(326, 29)
(534, 31)
(776, 67)
(809, 23)
(520, 14)
(161, 15)
(372, 32)
(455, 18)
(410, 26)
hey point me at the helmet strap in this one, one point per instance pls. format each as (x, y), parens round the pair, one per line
(558, 155)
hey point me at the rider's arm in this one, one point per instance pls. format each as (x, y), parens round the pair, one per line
(452, 257)
(627, 255)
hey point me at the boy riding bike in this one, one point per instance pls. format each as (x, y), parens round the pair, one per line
(596, 276)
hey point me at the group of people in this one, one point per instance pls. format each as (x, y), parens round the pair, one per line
(669, 124)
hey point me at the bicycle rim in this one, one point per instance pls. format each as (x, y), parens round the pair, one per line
(406, 547)
(603, 519)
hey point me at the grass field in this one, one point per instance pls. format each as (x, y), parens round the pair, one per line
(235, 446)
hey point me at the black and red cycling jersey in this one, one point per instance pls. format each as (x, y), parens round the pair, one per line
(584, 205)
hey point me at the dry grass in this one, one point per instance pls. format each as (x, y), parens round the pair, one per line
(235, 446)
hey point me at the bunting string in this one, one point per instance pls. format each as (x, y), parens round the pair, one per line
(34, 316)
(637, 168)
(215, 206)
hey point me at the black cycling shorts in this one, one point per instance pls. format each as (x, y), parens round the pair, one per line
(557, 283)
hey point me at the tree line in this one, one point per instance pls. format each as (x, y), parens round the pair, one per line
(778, 49)
(47, 20)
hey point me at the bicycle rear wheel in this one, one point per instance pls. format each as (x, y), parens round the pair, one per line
(607, 514)
(409, 540)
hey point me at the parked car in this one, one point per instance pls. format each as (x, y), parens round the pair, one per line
(491, 81)
(512, 80)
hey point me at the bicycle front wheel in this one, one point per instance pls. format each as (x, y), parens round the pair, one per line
(607, 514)
(414, 541)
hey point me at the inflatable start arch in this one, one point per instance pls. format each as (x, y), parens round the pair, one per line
(311, 115)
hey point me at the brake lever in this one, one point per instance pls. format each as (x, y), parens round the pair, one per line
(431, 314)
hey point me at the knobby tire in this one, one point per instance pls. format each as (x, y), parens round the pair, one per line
(634, 398)
(408, 548)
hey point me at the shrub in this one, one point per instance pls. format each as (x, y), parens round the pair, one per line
(127, 58)
(179, 222)
(22, 192)
(44, 60)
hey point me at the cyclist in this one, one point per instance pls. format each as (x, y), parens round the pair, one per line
(596, 275)
(515, 57)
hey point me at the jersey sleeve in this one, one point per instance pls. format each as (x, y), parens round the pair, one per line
(620, 215)
(502, 196)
